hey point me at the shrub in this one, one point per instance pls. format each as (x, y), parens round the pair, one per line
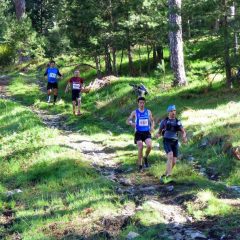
(6, 54)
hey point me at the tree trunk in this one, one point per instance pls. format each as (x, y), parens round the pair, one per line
(114, 61)
(120, 67)
(20, 7)
(154, 56)
(159, 50)
(140, 60)
(130, 59)
(148, 59)
(176, 43)
(188, 28)
(108, 65)
(233, 15)
(226, 47)
(98, 66)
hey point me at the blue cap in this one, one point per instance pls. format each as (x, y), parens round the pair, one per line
(171, 108)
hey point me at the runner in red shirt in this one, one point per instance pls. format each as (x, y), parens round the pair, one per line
(76, 84)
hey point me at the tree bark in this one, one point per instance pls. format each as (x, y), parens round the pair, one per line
(98, 66)
(120, 67)
(226, 47)
(114, 65)
(108, 65)
(159, 50)
(140, 60)
(130, 59)
(176, 43)
(154, 56)
(148, 59)
(20, 7)
(233, 15)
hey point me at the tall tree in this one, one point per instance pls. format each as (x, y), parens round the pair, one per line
(20, 7)
(176, 42)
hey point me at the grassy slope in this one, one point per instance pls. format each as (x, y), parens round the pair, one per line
(204, 114)
(33, 160)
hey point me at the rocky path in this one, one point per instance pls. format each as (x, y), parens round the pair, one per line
(151, 193)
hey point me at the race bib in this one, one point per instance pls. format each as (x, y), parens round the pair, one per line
(76, 86)
(52, 75)
(143, 122)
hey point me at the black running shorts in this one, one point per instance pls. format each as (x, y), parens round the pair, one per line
(170, 145)
(141, 136)
(75, 95)
(52, 85)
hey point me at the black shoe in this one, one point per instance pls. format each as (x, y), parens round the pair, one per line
(146, 162)
(140, 168)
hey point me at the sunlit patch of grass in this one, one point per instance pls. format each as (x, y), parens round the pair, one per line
(207, 204)
(207, 119)
(149, 216)
(147, 223)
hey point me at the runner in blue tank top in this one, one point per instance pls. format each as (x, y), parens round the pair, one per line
(51, 74)
(142, 120)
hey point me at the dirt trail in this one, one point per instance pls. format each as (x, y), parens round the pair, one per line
(151, 193)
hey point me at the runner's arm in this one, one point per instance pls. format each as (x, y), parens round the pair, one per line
(152, 121)
(59, 74)
(160, 129)
(184, 135)
(130, 119)
(67, 87)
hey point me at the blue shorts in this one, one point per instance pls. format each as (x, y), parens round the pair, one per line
(171, 145)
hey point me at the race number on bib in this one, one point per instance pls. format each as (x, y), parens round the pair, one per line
(52, 75)
(76, 86)
(143, 122)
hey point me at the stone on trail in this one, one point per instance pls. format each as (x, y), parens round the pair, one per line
(235, 188)
(109, 132)
(13, 192)
(190, 158)
(193, 234)
(149, 189)
(132, 235)
(125, 182)
(169, 188)
(204, 143)
(178, 236)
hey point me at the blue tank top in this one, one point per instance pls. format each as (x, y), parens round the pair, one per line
(52, 74)
(142, 121)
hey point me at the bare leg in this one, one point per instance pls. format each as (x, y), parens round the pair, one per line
(174, 162)
(55, 93)
(49, 94)
(149, 146)
(74, 107)
(169, 163)
(79, 105)
(140, 153)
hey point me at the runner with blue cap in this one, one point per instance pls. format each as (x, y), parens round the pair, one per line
(169, 128)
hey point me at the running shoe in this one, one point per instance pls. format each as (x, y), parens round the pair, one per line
(167, 179)
(140, 168)
(146, 164)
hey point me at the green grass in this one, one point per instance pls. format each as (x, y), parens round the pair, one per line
(33, 161)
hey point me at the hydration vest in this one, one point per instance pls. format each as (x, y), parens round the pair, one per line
(168, 126)
(142, 121)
